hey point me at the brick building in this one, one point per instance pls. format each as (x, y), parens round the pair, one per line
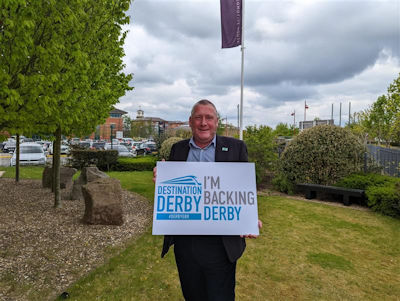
(114, 121)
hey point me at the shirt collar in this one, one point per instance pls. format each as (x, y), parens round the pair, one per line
(212, 143)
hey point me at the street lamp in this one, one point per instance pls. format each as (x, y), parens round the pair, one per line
(112, 126)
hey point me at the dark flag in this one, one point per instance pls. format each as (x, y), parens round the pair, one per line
(231, 23)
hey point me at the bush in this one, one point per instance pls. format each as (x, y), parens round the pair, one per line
(282, 184)
(166, 147)
(383, 192)
(322, 155)
(103, 159)
(261, 149)
(363, 181)
(385, 199)
(135, 164)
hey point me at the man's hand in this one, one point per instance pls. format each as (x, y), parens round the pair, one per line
(252, 235)
(155, 173)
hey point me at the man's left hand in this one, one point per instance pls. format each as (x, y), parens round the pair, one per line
(253, 235)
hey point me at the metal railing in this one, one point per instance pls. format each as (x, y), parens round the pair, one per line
(387, 158)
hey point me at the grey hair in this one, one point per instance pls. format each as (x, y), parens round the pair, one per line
(203, 102)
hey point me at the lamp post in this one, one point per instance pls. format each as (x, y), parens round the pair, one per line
(111, 134)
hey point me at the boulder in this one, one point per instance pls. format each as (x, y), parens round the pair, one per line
(88, 175)
(66, 174)
(47, 177)
(103, 202)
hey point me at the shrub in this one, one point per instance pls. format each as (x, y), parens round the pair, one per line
(282, 184)
(385, 199)
(103, 159)
(166, 147)
(322, 155)
(363, 181)
(261, 149)
(135, 164)
(383, 192)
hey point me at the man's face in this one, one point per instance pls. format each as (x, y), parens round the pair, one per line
(204, 124)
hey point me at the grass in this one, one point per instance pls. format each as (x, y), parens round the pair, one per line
(25, 172)
(306, 251)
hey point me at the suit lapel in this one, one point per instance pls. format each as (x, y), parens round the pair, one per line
(220, 153)
(184, 153)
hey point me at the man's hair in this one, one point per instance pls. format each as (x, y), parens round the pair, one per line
(203, 102)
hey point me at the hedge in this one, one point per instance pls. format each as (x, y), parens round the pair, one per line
(383, 192)
(103, 159)
(135, 164)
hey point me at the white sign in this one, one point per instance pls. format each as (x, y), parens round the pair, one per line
(205, 198)
(119, 134)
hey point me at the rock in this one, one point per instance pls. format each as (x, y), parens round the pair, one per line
(47, 177)
(88, 175)
(66, 174)
(103, 202)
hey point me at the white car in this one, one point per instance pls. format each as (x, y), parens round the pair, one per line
(30, 153)
(123, 151)
(64, 149)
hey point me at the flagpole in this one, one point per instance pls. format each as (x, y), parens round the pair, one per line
(242, 77)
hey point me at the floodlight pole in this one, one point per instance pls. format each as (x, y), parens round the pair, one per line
(242, 77)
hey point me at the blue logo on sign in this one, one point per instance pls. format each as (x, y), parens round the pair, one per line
(179, 199)
(186, 180)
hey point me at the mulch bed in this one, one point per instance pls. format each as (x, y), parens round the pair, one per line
(43, 250)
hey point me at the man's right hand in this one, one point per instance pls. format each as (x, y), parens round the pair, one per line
(155, 173)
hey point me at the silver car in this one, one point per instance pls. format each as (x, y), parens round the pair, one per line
(29, 154)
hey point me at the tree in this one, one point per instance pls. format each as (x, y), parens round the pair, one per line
(261, 148)
(142, 128)
(283, 129)
(71, 72)
(322, 155)
(382, 120)
(127, 121)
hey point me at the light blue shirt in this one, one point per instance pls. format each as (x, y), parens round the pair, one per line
(197, 154)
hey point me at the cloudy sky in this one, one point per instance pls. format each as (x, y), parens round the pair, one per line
(324, 52)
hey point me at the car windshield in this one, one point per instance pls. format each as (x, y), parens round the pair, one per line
(31, 149)
(122, 148)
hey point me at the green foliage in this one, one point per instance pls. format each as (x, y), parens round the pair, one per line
(142, 128)
(261, 148)
(135, 164)
(383, 192)
(382, 120)
(103, 159)
(62, 64)
(321, 155)
(283, 129)
(282, 184)
(363, 181)
(166, 147)
(385, 199)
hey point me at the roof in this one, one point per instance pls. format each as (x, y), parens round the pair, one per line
(150, 119)
(117, 111)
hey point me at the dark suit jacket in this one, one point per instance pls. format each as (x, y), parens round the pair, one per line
(227, 150)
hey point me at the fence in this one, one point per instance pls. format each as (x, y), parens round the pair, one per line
(388, 159)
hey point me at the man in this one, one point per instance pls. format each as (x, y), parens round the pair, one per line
(207, 263)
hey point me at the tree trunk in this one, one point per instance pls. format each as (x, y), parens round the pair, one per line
(17, 159)
(56, 168)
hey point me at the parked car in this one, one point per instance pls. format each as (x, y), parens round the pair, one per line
(123, 151)
(64, 149)
(147, 148)
(10, 146)
(30, 153)
(84, 144)
(98, 145)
